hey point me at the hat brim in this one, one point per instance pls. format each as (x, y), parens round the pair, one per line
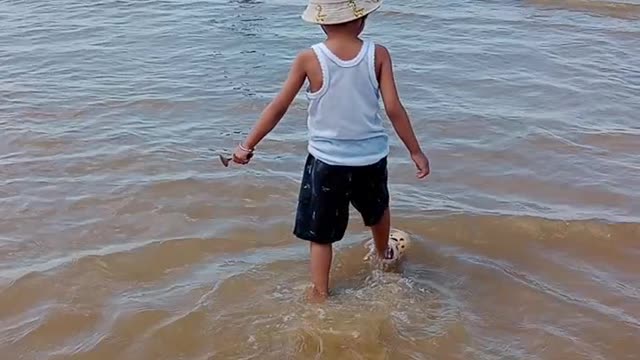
(337, 13)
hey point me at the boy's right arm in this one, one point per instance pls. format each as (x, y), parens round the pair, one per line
(276, 109)
(397, 113)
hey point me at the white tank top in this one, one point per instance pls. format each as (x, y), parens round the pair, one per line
(345, 127)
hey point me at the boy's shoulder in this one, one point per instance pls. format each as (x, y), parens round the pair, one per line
(306, 53)
(382, 57)
(382, 52)
(303, 59)
(304, 56)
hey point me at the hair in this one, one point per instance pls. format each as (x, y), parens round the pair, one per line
(362, 21)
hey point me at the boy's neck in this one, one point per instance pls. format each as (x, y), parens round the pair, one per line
(340, 37)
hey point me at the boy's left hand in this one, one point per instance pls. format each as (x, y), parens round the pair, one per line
(241, 156)
(422, 165)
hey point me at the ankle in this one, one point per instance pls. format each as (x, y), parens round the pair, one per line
(382, 251)
(315, 295)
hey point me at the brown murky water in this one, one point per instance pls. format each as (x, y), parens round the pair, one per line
(122, 237)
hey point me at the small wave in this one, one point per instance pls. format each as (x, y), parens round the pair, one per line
(613, 141)
(621, 10)
(128, 262)
(547, 288)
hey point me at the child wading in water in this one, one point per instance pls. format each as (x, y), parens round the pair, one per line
(348, 145)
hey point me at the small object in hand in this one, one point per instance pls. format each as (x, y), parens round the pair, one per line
(225, 160)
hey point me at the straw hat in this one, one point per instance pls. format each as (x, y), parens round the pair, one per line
(331, 12)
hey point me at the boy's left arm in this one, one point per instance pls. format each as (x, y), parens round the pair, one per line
(274, 112)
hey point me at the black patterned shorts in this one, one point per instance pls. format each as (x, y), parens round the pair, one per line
(326, 192)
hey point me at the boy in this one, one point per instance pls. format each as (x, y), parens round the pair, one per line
(348, 146)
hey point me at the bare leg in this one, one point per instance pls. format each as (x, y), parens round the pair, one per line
(380, 233)
(321, 256)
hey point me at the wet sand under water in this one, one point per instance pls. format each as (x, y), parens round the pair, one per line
(473, 287)
(122, 237)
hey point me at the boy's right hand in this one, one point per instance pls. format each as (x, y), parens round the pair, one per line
(422, 164)
(241, 156)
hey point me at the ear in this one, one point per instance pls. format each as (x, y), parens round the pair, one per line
(362, 23)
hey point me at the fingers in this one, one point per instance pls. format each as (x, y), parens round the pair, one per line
(241, 155)
(423, 171)
(240, 160)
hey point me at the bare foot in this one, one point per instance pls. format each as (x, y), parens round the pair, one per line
(388, 254)
(315, 296)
